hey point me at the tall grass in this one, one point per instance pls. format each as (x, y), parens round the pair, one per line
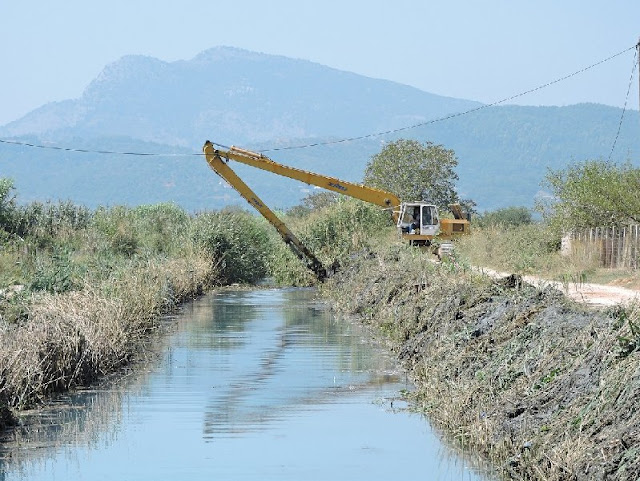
(527, 249)
(81, 290)
(333, 233)
(237, 243)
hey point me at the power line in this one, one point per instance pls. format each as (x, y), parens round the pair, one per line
(89, 151)
(633, 71)
(344, 140)
(459, 114)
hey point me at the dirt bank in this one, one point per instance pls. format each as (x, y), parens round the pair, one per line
(540, 386)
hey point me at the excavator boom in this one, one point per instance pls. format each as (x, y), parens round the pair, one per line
(362, 192)
(223, 170)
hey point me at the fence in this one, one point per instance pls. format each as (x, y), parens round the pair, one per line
(615, 247)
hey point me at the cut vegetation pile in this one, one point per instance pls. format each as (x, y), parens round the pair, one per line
(540, 387)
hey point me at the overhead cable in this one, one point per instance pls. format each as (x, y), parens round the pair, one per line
(89, 151)
(633, 71)
(458, 114)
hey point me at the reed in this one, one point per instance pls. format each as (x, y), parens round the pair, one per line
(81, 291)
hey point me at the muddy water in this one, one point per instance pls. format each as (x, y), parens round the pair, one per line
(250, 385)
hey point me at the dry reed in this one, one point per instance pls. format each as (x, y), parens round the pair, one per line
(75, 337)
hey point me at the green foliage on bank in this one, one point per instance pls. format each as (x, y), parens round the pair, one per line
(238, 242)
(62, 247)
(506, 217)
(594, 193)
(524, 249)
(333, 232)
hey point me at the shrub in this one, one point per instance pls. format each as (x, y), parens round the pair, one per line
(7, 205)
(237, 243)
(117, 229)
(56, 274)
(342, 228)
(333, 233)
(161, 227)
(528, 248)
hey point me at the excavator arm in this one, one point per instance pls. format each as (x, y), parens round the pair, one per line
(379, 197)
(216, 162)
(419, 232)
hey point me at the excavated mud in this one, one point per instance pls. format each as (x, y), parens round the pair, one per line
(538, 386)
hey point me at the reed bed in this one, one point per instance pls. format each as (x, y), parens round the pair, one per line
(81, 291)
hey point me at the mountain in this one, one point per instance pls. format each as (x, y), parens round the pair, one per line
(231, 95)
(258, 101)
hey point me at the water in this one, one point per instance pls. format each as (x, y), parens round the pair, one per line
(253, 385)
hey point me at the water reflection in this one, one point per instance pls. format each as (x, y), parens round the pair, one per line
(262, 384)
(305, 361)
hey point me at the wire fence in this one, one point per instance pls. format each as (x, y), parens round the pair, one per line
(614, 247)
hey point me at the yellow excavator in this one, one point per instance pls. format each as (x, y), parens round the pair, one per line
(417, 222)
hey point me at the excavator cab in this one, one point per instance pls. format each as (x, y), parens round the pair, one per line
(418, 222)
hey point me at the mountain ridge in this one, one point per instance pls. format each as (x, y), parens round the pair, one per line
(238, 90)
(259, 101)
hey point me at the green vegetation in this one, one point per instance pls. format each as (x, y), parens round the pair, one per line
(594, 193)
(80, 291)
(238, 243)
(588, 194)
(413, 172)
(333, 233)
(505, 217)
(523, 249)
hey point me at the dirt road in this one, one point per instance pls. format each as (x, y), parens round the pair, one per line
(592, 294)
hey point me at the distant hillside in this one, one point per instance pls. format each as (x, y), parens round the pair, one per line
(505, 152)
(231, 96)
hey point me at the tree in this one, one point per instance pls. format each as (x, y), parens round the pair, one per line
(414, 171)
(7, 204)
(313, 202)
(594, 193)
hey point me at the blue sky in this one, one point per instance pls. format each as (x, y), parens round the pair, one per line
(481, 50)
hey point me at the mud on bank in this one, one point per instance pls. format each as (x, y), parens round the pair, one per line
(540, 387)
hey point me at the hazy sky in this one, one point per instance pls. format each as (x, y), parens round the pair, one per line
(481, 50)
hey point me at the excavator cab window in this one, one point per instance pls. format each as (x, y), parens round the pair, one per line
(429, 215)
(409, 218)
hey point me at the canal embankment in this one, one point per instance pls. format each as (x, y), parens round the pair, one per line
(536, 384)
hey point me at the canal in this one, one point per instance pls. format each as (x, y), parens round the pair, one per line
(248, 384)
